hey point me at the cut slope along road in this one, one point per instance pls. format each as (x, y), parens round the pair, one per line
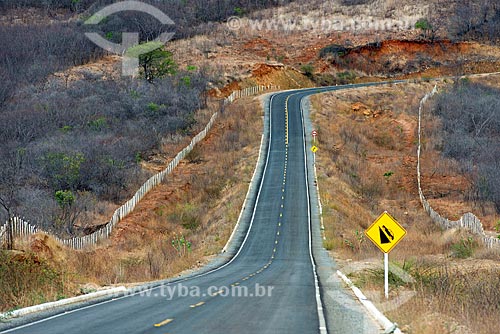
(280, 280)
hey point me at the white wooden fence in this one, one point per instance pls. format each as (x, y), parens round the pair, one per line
(22, 229)
(468, 221)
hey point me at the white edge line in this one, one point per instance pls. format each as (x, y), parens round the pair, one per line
(379, 316)
(185, 279)
(319, 90)
(319, 304)
(252, 181)
(63, 302)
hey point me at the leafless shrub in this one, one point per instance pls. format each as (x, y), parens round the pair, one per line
(470, 115)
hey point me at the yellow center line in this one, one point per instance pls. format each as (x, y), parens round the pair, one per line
(164, 322)
(217, 293)
(286, 120)
(196, 305)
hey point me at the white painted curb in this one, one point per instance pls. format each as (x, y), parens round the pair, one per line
(62, 302)
(389, 326)
(251, 186)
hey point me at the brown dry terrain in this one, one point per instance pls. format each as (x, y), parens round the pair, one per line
(408, 58)
(200, 201)
(385, 53)
(367, 164)
(351, 168)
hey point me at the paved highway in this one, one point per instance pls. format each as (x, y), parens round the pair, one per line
(269, 286)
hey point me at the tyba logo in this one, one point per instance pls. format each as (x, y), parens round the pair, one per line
(129, 47)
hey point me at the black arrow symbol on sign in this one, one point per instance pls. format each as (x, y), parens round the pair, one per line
(389, 232)
(384, 239)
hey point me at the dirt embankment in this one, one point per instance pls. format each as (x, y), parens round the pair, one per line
(177, 226)
(408, 58)
(266, 74)
(367, 164)
(376, 155)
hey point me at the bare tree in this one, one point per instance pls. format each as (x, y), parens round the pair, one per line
(479, 19)
(10, 174)
(470, 116)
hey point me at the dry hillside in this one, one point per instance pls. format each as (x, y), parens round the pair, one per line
(366, 162)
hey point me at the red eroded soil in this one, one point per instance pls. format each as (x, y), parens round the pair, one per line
(171, 191)
(264, 69)
(440, 49)
(417, 57)
(226, 90)
(259, 46)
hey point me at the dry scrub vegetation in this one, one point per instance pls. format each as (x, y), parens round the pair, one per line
(367, 164)
(178, 226)
(464, 124)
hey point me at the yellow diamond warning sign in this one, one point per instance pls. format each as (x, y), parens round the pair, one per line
(314, 149)
(385, 232)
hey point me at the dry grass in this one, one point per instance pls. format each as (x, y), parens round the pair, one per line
(367, 164)
(178, 226)
(466, 301)
(357, 150)
(438, 172)
(28, 279)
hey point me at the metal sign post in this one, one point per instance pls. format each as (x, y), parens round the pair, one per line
(386, 275)
(385, 233)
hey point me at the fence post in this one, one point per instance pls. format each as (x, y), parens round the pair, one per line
(19, 227)
(468, 221)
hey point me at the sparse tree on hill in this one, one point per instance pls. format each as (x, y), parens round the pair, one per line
(11, 167)
(154, 60)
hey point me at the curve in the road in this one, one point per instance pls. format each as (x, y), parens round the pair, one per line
(270, 285)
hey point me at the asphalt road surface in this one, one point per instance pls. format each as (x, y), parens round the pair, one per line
(269, 286)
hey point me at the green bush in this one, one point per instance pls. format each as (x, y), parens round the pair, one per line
(464, 249)
(423, 25)
(346, 77)
(98, 124)
(308, 70)
(187, 215)
(335, 50)
(65, 198)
